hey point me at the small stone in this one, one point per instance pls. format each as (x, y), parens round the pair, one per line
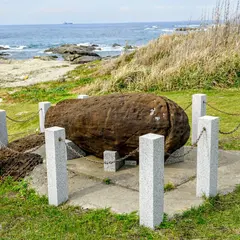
(130, 163)
(75, 153)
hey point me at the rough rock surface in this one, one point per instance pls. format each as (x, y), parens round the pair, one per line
(116, 45)
(3, 55)
(115, 122)
(3, 48)
(75, 53)
(46, 58)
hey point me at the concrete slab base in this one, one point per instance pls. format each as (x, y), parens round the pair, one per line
(88, 190)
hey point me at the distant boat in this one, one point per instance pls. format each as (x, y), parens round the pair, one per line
(67, 23)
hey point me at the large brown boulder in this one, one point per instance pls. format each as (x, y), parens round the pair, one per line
(115, 122)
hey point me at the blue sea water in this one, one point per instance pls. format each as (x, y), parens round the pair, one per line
(26, 41)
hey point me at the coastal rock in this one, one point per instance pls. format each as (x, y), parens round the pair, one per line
(46, 58)
(115, 122)
(116, 45)
(3, 55)
(71, 49)
(129, 47)
(76, 53)
(85, 59)
(3, 48)
(185, 29)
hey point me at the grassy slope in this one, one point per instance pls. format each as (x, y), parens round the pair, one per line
(24, 215)
(206, 59)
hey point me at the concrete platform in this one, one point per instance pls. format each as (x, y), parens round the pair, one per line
(88, 190)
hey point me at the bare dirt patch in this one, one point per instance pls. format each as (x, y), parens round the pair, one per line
(15, 162)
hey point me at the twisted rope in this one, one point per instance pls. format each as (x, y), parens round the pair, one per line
(24, 121)
(221, 111)
(90, 160)
(192, 146)
(188, 107)
(228, 133)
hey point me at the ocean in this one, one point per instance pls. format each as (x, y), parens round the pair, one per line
(27, 41)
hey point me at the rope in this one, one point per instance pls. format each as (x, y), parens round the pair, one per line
(3, 146)
(21, 133)
(191, 148)
(190, 104)
(221, 111)
(24, 121)
(227, 133)
(118, 160)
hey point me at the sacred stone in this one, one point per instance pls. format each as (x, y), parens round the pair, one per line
(115, 122)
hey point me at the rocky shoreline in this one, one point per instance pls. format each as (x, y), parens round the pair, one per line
(15, 73)
(73, 53)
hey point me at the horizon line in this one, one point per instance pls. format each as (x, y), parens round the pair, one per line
(72, 23)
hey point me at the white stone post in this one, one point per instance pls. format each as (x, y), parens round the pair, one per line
(43, 107)
(3, 128)
(151, 180)
(207, 157)
(198, 110)
(82, 96)
(56, 158)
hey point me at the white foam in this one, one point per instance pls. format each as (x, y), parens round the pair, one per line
(84, 44)
(5, 46)
(167, 30)
(187, 25)
(151, 28)
(9, 48)
(19, 47)
(105, 48)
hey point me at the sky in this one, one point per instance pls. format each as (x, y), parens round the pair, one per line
(101, 11)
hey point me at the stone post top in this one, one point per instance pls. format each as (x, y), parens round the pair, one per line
(83, 96)
(44, 102)
(209, 118)
(152, 136)
(199, 94)
(1, 110)
(108, 151)
(54, 129)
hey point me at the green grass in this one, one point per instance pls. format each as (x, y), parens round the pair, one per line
(21, 111)
(25, 215)
(169, 187)
(53, 91)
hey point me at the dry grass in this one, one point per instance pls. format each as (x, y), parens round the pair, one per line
(206, 59)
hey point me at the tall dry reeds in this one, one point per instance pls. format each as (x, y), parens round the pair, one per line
(206, 58)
